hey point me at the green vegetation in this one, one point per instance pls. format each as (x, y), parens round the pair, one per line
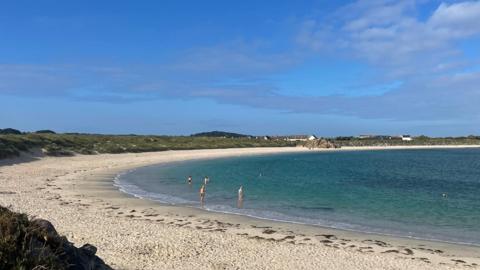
(67, 144)
(23, 245)
(421, 140)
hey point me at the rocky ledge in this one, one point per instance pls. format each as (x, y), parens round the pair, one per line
(35, 244)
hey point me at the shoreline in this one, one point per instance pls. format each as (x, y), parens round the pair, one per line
(406, 147)
(84, 184)
(121, 188)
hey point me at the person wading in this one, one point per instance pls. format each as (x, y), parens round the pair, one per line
(202, 194)
(240, 197)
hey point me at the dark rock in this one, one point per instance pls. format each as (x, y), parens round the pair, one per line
(89, 249)
(320, 143)
(35, 244)
(44, 225)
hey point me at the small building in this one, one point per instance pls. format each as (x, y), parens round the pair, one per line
(267, 138)
(295, 138)
(406, 138)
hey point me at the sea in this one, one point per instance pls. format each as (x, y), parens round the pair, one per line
(431, 194)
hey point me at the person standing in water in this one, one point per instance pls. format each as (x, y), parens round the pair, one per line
(240, 193)
(205, 180)
(189, 180)
(202, 194)
(240, 197)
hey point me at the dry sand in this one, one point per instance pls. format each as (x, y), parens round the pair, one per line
(77, 195)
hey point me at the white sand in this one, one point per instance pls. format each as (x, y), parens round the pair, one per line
(76, 194)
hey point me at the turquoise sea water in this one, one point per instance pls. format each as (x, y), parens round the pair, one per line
(397, 192)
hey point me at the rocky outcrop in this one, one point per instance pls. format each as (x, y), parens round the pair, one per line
(320, 143)
(35, 244)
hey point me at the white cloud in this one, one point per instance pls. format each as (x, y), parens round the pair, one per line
(456, 20)
(391, 36)
(234, 58)
(374, 13)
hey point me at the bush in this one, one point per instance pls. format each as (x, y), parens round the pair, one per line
(55, 150)
(24, 245)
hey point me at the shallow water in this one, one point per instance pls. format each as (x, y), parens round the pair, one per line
(395, 192)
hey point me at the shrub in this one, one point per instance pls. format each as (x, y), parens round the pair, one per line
(55, 150)
(24, 245)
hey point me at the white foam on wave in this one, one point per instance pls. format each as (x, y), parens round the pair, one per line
(136, 191)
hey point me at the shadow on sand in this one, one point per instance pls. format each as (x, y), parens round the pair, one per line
(34, 154)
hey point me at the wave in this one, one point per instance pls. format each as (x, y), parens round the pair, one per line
(135, 191)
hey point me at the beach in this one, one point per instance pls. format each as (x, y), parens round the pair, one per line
(77, 194)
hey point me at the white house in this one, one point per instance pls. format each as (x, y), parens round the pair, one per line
(300, 138)
(406, 138)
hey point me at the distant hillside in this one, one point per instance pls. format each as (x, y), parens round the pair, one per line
(10, 131)
(45, 131)
(219, 134)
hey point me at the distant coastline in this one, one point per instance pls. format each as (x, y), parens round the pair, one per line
(49, 143)
(403, 147)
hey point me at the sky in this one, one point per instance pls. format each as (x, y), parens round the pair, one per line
(330, 68)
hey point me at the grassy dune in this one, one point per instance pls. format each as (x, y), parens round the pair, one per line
(67, 144)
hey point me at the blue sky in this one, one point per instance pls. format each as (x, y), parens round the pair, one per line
(257, 67)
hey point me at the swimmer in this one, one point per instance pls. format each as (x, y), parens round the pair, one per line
(189, 180)
(205, 180)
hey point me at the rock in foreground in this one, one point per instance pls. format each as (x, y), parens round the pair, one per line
(35, 244)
